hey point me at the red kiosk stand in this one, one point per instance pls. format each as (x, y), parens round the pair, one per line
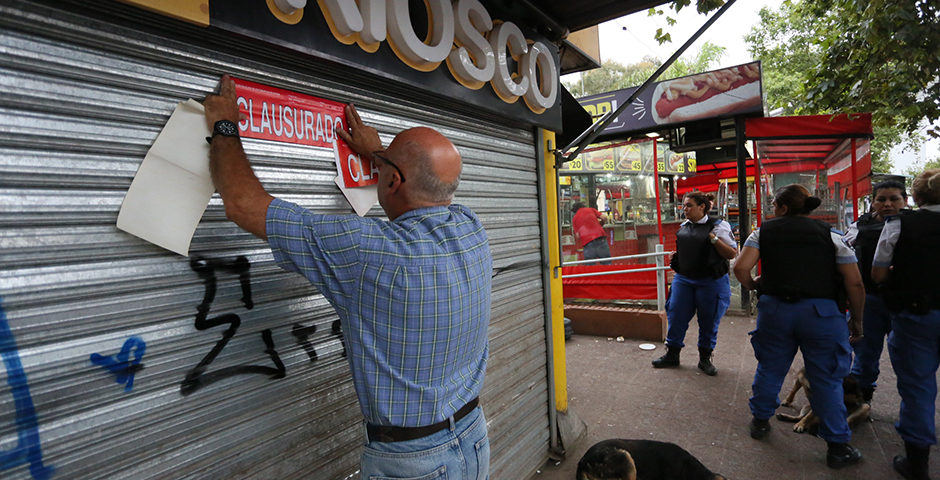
(829, 154)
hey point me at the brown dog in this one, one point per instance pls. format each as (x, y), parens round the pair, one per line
(855, 405)
(619, 459)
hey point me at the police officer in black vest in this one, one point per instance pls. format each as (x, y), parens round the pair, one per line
(907, 260)
(805, 267)
(888, 199)
(701, 286)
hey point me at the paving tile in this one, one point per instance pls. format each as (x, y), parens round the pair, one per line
(615, 390)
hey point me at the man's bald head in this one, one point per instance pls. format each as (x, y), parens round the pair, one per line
(431, 163)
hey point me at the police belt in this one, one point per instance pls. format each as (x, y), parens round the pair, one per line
(382, 433)
(793, 297)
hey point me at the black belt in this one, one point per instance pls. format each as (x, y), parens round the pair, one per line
(382, 433)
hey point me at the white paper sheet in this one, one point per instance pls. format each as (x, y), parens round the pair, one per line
(361, 198)
(173, 185)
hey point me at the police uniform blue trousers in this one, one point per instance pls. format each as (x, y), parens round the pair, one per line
(877, 325)
(819, 330)
(914, 347)
(708, 298)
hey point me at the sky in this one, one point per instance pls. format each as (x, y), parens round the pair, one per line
(628, 39)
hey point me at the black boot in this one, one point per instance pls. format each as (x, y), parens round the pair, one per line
(914, 466)
(760, 428)
(705, 361)
(670, 359)
(842, 454)
(867, 394)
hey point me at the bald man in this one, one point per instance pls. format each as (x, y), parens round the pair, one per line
(412, 292)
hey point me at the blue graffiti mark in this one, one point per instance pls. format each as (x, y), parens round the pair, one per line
(27, 450)
(121, 365)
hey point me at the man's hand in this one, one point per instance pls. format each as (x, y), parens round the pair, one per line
(362, 138)
(855, 330)
(246, 202)
(222, 106)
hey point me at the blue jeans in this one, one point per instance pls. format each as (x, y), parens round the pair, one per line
(459, 454)
(709, 298)
(914, 347)
(817, 328)
(868, 350)
(597, 248)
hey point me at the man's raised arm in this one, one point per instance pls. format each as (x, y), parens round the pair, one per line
(246, 202)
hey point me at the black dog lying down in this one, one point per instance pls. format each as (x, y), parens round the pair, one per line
(619, 459)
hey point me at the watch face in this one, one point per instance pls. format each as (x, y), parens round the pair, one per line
(226, 128)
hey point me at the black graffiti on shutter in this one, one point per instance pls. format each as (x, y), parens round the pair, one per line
(338, 331)
(198, 377)
(303, 333)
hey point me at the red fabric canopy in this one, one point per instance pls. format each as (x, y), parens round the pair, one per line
(843, 125)
(798, 144)
(618, 286)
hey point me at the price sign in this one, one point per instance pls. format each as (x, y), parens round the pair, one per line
(636, 165)
(609, 165)
(575, 165)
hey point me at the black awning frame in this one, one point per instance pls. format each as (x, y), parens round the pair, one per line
(588, 136)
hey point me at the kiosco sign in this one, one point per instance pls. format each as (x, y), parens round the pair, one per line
(477, 50)
(455, 49)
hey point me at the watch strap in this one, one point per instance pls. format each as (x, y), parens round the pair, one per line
(225, 128)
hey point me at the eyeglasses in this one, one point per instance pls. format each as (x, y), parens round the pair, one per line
(381, 156)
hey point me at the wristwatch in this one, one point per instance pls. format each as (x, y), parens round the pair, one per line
(714, 240)
(226, 128)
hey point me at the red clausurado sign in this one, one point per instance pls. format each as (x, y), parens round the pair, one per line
(283, 116)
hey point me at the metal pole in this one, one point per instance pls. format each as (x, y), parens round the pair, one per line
(854, 185)
(744, 223)
(758, 188)
(659, 210)
(544, 221)
(660, 279)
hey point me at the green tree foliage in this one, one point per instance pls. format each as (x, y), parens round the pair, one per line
(879, 56)
(615, 76)
(917, 168)
(702, 6)
(826, 56)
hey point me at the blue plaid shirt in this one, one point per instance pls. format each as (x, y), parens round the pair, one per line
(413, 296)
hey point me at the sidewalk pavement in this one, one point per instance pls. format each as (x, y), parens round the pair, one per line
(613, 388)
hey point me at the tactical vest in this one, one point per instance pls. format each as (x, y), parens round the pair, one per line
(798, 259)
(869, 230)
(695, 255)
(912, 285)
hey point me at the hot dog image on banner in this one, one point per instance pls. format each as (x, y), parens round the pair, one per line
(724, 93)
(708, 94)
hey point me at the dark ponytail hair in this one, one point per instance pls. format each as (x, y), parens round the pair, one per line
(797, 199)
(702, 199)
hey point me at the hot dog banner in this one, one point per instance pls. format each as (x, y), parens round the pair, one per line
(630, 158)
(719, 93)
(279, 115)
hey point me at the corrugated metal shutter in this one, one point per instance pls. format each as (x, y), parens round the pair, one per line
(98, 333)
